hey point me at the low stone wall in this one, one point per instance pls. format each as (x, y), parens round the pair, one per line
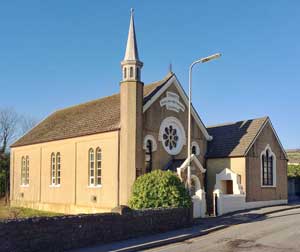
(67, 232)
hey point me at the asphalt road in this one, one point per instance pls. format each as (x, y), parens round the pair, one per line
(274, 233)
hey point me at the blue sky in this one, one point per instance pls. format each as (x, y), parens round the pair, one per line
(59, 53)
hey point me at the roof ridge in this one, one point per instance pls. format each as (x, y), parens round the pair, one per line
(168, 76)
(231, 123)
(50, 128)
(85, 103)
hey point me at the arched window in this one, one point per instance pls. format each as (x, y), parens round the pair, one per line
(138, 72)
(148, 155)
(91, 167)
(194, 150)
(98, 165)
(58, 166)
(27, 171)
(125, 73)
(131, 72)
(268, 164)
(53, 170)
(23, 171)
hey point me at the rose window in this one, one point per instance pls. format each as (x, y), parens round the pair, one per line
(170, 137)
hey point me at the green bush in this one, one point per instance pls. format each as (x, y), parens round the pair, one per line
(159, 189)
(294, 171)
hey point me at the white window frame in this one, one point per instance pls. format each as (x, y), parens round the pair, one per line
(23, 171)
(55, 169)
(271, 153)
(58, 169)
(176, 124)
(91, 167)
(98, 171)
(27, 171)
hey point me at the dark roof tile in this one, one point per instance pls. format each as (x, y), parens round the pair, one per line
(233, 139)
(89, 118)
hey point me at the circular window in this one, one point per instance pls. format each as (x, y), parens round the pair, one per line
(172, 135)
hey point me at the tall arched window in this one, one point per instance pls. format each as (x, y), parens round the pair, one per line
(27, 171)
(148, 156)
(131, 72)
(58, 166)
(23, 171)
(125, 72)
(91, 167)
(194, 150)
(268, 164)
(98, 165)
(53, 170)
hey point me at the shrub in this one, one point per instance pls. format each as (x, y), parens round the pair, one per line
(159, 189)
(294, 171)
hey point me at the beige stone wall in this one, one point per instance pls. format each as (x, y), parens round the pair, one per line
(73, 195)
(152, 120)
(215, 166)
(131, 151)
(255, 192)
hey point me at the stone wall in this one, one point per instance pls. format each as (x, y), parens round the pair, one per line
(67, 232)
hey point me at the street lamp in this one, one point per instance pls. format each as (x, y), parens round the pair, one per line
(202, 60)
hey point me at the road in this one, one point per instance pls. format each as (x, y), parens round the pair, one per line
(275, 233)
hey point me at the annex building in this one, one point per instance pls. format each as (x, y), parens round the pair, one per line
(85, 158)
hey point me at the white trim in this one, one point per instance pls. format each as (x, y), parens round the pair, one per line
(175, 123)
(174, 80)
(228, 174)
(274, 167)
(152, 139)
(261, 129)
(171, 102)
(54, 186)
(24, 185)
(187, 161)
(194, 143)
(94, 186)
(255, 204)
(232, 203)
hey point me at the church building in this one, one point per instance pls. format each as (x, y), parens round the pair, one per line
(85, 158)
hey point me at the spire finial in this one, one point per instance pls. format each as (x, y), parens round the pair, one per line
(131, 64)
(131, 48)
(170, 67)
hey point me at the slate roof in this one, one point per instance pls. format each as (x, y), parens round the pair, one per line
(233, 139)
(89, 118)
(173, 164)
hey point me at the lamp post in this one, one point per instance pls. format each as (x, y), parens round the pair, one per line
(202, 60)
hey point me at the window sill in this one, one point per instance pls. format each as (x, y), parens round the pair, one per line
(24, 186)
(54, 186)
(97, 186)
(268, 186)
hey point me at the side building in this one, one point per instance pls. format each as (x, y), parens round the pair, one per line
(246, 166)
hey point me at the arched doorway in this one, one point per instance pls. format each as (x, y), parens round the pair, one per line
(198, 197)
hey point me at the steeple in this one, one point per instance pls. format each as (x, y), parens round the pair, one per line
(131, 64)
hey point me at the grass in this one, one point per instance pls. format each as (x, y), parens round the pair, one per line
(7, 212)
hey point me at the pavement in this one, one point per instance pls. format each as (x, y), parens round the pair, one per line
(203, 226)
(276, 232)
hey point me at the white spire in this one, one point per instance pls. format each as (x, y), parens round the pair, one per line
(131, 48)
(131, 64)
